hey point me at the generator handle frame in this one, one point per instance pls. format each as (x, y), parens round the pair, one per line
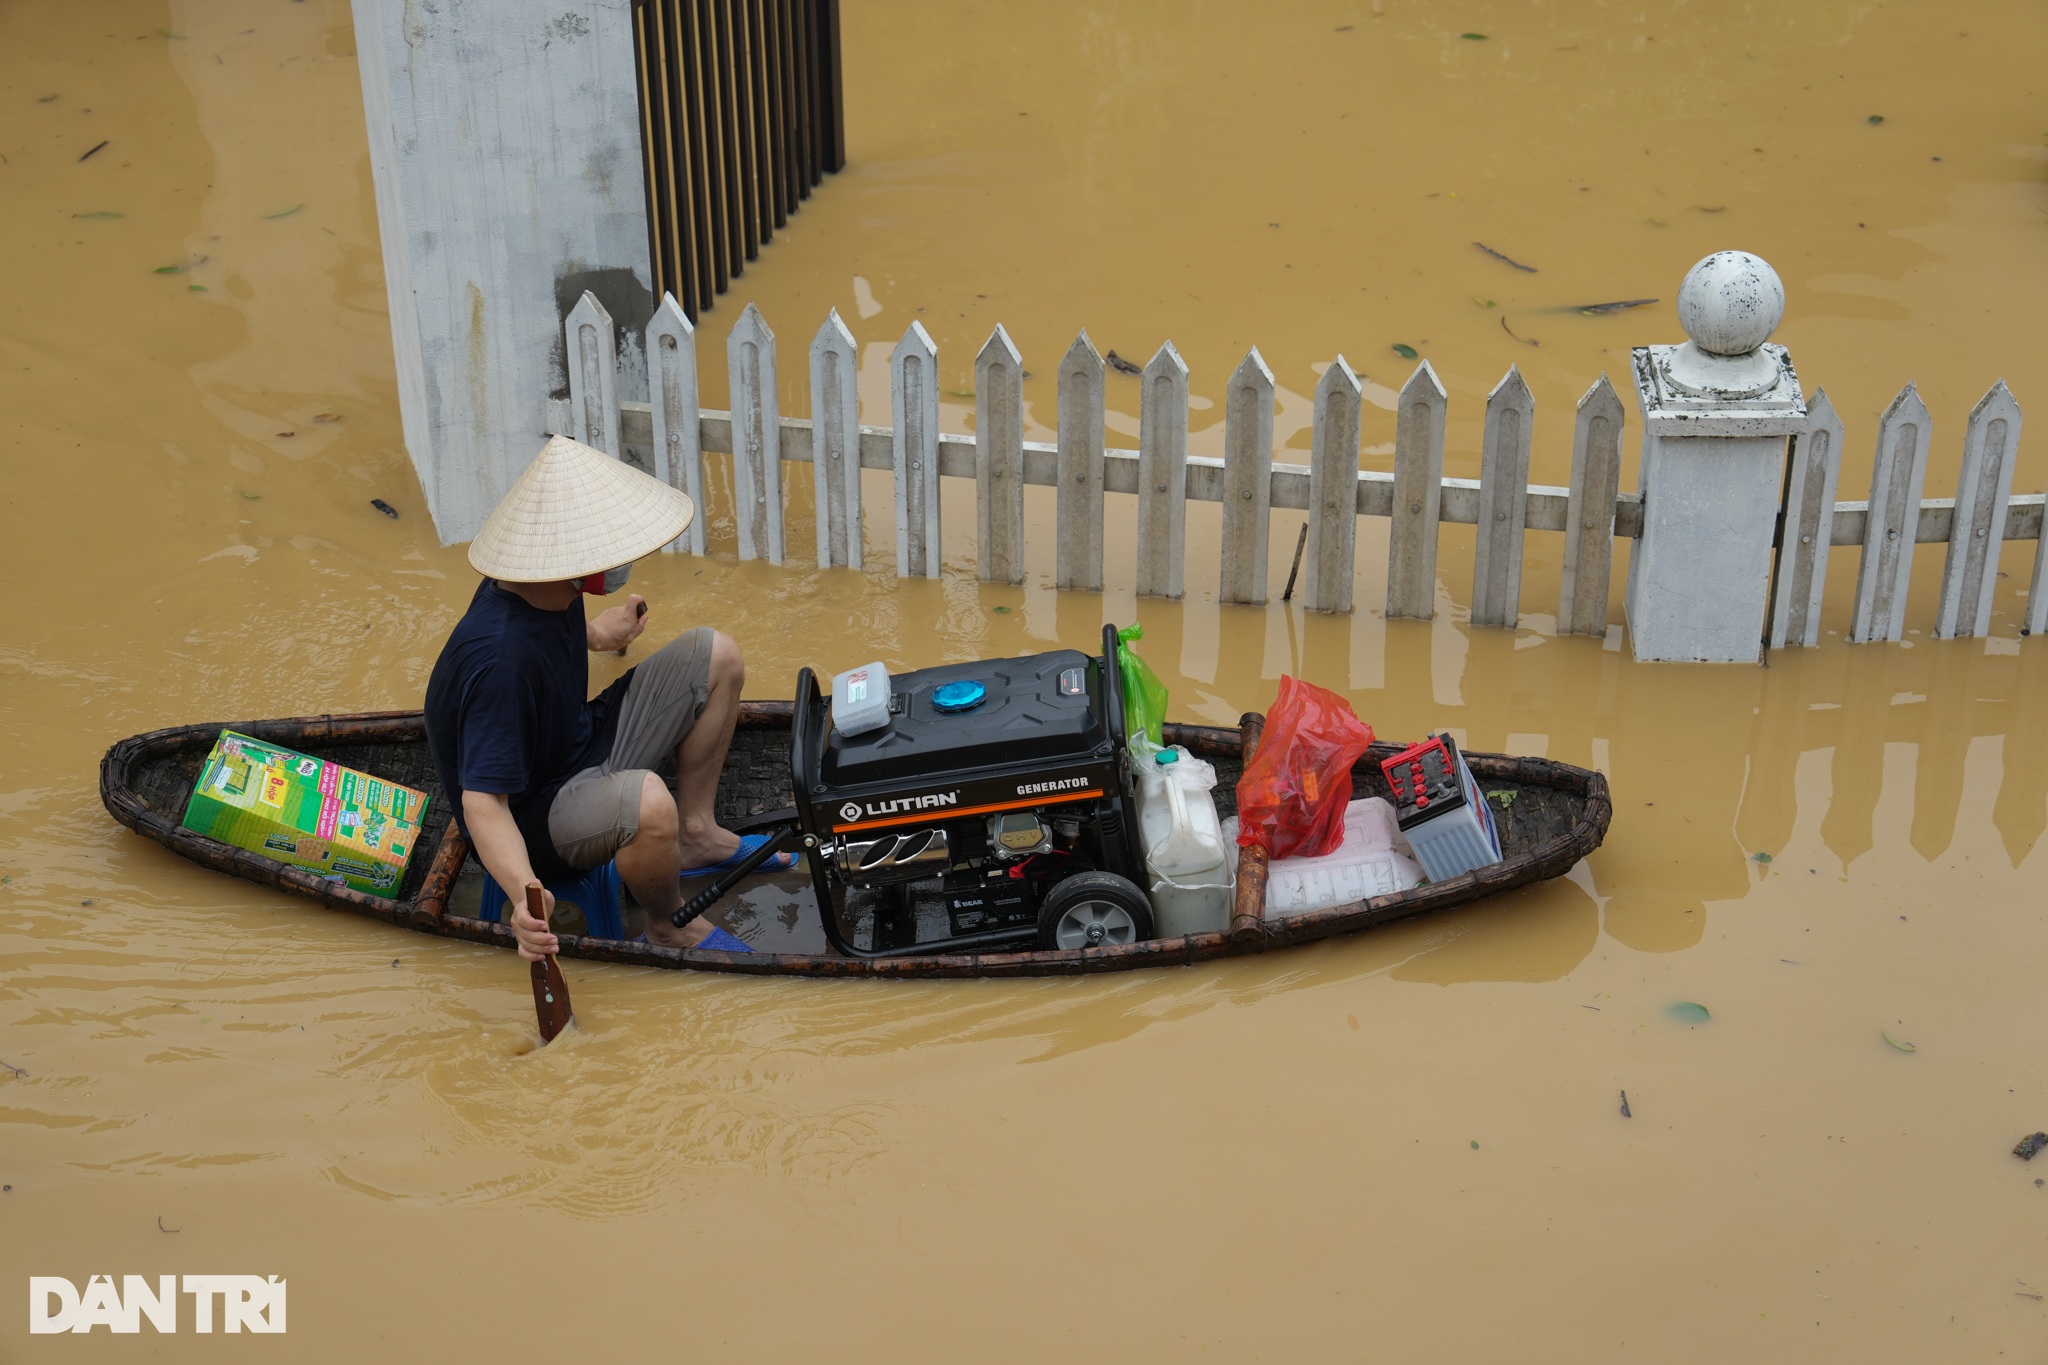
(1125, 800)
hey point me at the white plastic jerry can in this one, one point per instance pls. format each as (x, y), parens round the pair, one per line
(1191, 880)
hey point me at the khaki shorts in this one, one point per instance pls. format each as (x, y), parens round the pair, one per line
(597, 812)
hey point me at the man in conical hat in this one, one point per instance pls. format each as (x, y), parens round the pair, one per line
(547, 780)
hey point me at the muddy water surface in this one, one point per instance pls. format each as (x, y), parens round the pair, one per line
(1406, 1145)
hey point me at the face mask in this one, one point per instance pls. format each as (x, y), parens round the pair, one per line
(606, 583)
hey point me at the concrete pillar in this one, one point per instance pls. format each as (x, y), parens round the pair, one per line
(505, 149)
(1716, 414)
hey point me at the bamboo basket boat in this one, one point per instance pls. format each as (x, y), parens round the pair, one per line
(1558, 815)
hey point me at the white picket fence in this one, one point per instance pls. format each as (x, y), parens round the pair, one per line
(673, 434)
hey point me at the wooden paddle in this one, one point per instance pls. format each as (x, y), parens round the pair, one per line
(550, 991)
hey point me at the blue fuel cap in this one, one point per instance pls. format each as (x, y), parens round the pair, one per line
(964, 695)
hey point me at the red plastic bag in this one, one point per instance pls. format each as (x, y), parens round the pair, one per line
(1292, 796)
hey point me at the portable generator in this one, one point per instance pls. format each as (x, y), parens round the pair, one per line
(994, 807)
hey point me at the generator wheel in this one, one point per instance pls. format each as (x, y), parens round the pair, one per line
(1094, 910)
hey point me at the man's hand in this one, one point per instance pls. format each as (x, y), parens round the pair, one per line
(619, 627)
(502, 851)
(535, 942)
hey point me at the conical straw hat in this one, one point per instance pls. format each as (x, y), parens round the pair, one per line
(576, 511)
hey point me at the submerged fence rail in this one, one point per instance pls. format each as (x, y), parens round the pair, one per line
(673, 433)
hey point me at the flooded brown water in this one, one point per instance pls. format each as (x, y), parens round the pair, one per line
(1407, 1145)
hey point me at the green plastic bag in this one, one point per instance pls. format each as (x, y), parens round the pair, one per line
(1144, 694)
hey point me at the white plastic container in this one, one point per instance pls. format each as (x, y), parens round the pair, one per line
(1184, 848)
(1373, 860)
(860, 699)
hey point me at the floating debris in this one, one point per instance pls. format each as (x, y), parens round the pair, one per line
(327, 417)
(1760, 857)
(2025, 1151)
(386, 508)
(1526, 269)
(1619, 305)
(1624, 1106)
(1526, 341)
(283, 213)
(161, 1228)
(1122, 366)
(1405, 351)
(97, 213)
(1473, 37)
(89, 155)
(1504, 798)
(1482, 302)
(24, 1075)
(1874, 120)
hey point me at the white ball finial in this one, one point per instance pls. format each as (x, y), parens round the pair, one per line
(1730, 303)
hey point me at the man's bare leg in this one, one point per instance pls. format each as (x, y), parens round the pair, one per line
(649, 865)
(700, 762)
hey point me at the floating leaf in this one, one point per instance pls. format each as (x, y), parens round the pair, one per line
(252, 497)
(1688, 1012)
(97, 213)
(1483, 303)
(1875, 119)
(1760, 857)
(1656, 222)
(1507, 260)
(961, 393)
(174, 37)
(1001, 611)
(196, 288)
(284, 213)
(1475, 1144)
(172, 269)
(1901, 1046)
(1405, 351)
(1503, 799)
(1474, 37)
(1594, 310)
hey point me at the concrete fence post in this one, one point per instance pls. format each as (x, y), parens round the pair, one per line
(1716, 414)
(504, 141)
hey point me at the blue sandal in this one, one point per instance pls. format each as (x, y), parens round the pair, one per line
(718, 941)
(781, 862)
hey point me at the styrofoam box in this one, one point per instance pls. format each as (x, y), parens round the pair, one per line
(1373, 860)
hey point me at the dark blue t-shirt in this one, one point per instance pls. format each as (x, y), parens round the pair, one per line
(506, 711)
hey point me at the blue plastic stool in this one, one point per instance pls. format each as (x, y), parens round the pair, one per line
(595, 891)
